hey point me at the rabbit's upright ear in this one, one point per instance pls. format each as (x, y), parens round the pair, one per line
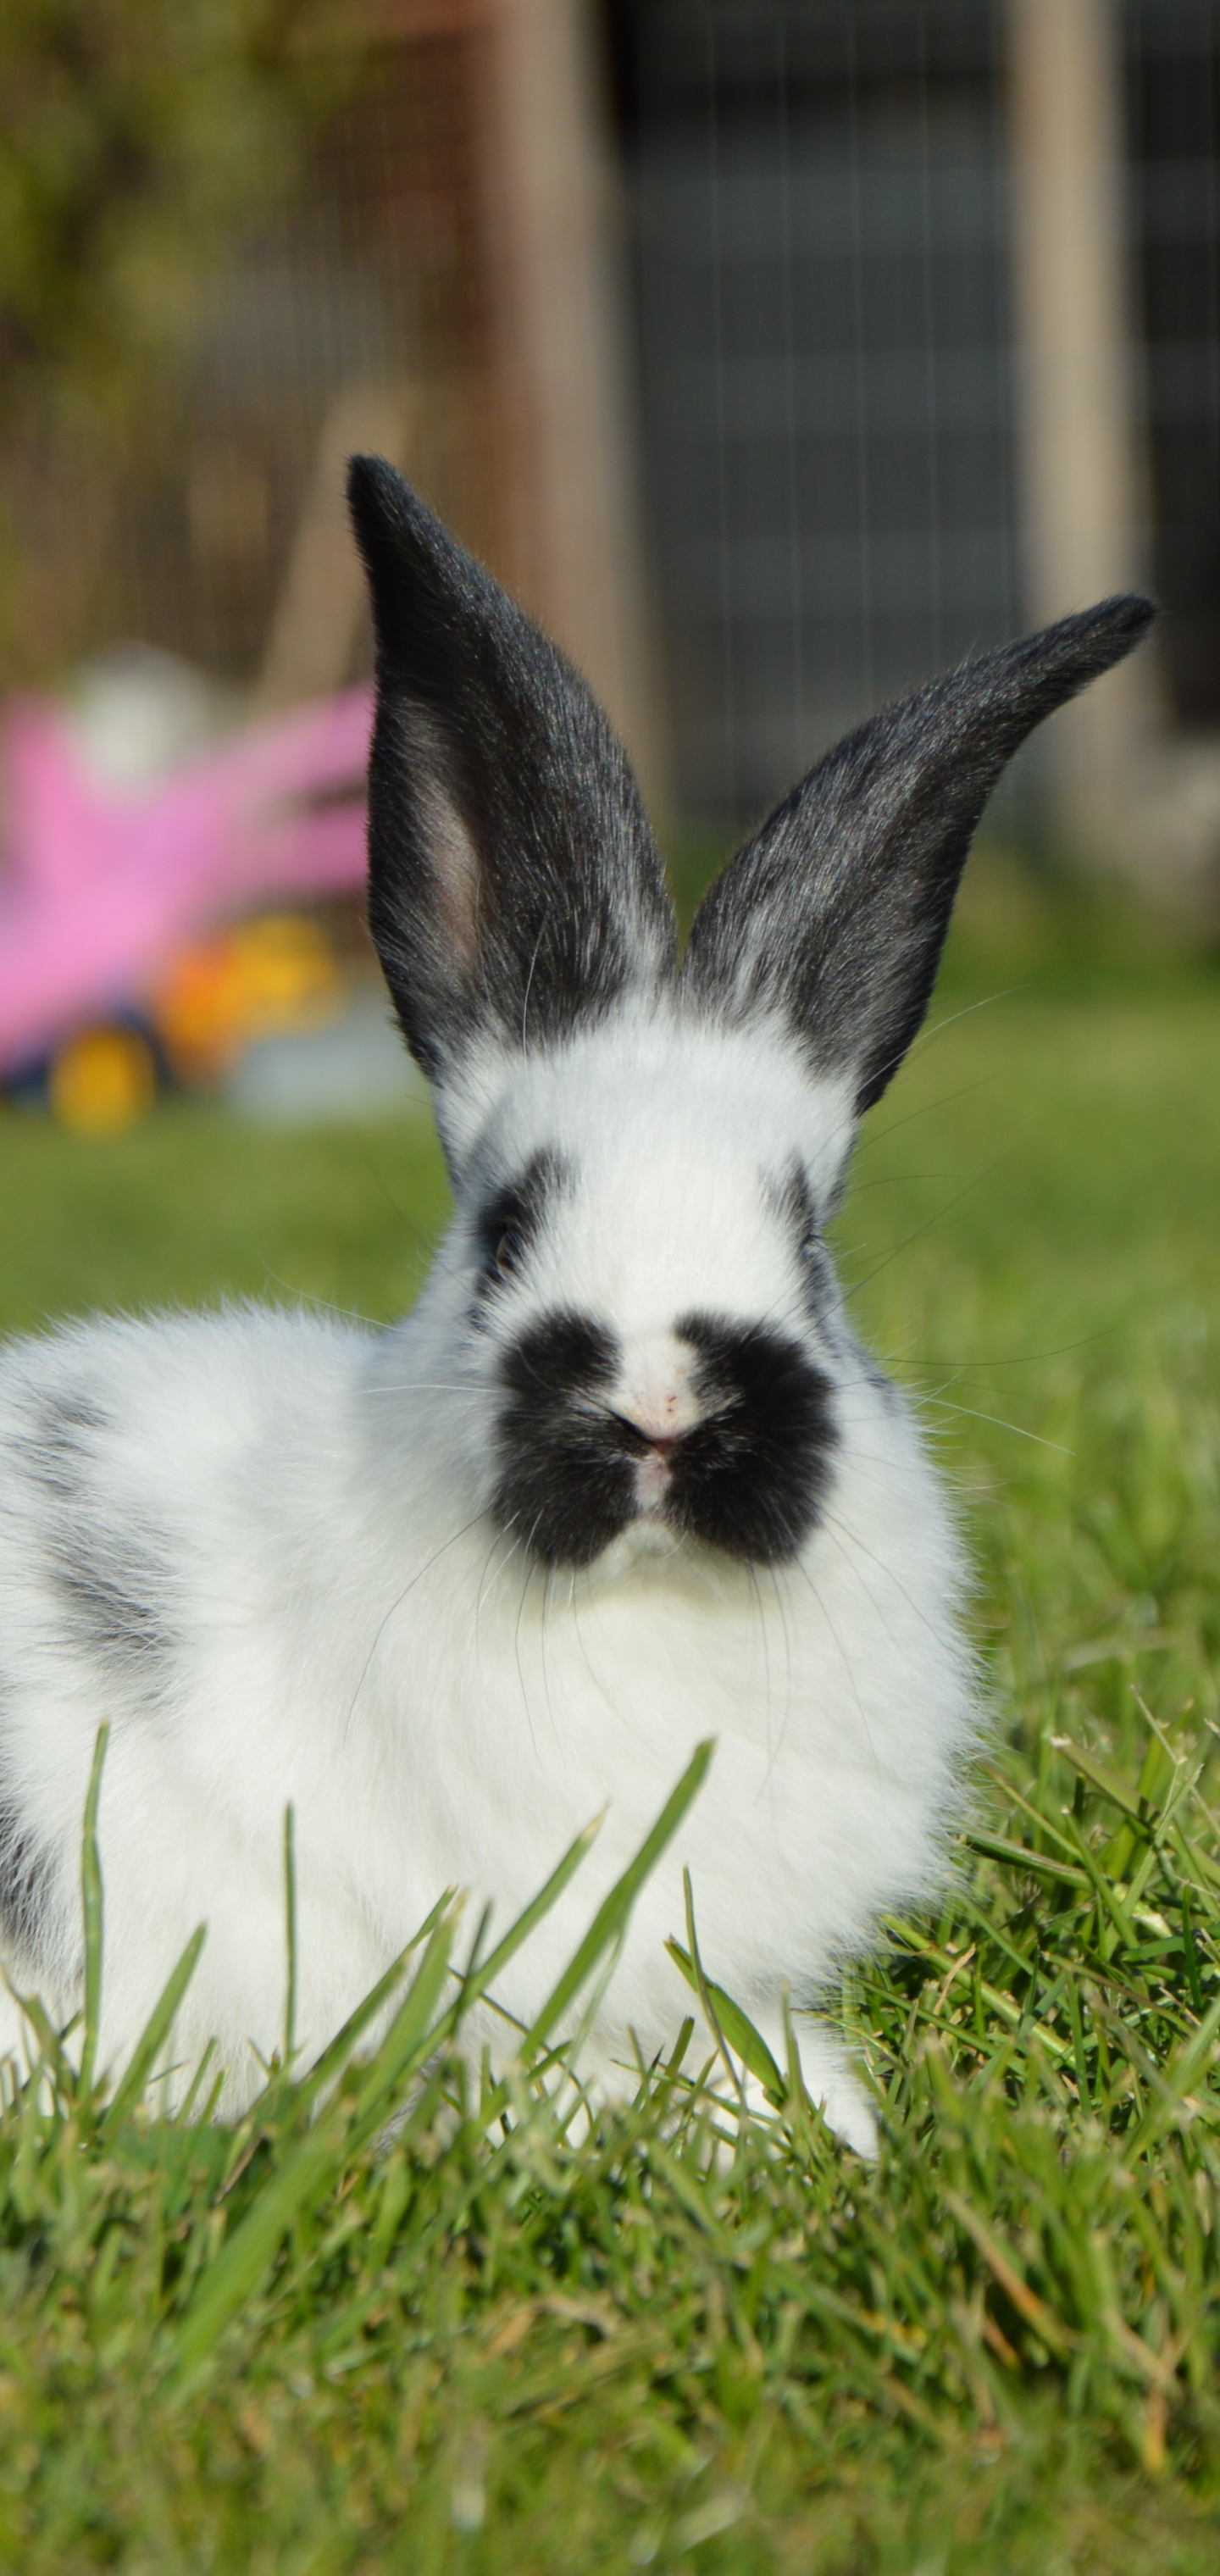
(834, 916)
(514, 885)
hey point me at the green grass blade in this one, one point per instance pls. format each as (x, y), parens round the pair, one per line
(247, 2255)
(155, 2033)
(54, 2056)
(736, 2027)
(1118, 1793)
(413, 2035)
(701, 1989)
(1190, 1955)
(91, 1909)
(198, 2080)
(290, 1920)
(1019, 1856)
(478, 1977)
(306, 2172)
(327, 2068)
(1106, 1893)
(1177, 2080)
(610, 1920)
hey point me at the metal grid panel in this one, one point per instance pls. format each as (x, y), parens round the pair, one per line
(825, 364)
(1173, 80)
(823, 273)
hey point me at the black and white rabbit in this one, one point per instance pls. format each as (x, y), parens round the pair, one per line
(623, 1480)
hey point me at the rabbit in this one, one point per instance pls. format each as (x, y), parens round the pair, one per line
(623, 1480)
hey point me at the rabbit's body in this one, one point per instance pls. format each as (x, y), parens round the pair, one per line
(623, 1481)
(259, 1543)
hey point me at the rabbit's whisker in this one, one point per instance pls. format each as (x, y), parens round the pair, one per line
(973, 1415)
(396, 1605)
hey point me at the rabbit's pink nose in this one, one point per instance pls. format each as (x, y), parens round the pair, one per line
(655, 1390)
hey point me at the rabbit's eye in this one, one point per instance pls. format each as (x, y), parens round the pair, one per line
(508, 1223)
(510, 1249)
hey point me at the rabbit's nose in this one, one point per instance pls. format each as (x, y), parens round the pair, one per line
(654, 1393)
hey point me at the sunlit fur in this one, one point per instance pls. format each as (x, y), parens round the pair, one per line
(300, 1508)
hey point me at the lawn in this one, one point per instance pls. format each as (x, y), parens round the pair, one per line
(483, 2346)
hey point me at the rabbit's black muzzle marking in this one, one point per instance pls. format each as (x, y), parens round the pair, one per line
(566, 1486)
(752, 1473)
(748, 1476)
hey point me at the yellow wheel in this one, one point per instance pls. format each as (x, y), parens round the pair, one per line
(103, 1081)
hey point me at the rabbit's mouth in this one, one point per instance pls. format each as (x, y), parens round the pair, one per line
(734, 1450)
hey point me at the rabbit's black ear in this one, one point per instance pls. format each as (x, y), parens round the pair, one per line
(514, 885)
(835, 914)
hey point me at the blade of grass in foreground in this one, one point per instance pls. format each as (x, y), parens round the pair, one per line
(313, 2160)
(411, 2037)
(305, 2172)
(91, 1908)
(290, 1917)
(611, 1917)
(327, 2068)
(736, 2028)
(478, 1978)
(155, 2033)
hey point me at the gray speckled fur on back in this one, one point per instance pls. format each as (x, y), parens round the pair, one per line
(112, 1574)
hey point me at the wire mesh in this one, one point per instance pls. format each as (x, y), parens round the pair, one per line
(825, 336)
(823, 258)
(1173, 93)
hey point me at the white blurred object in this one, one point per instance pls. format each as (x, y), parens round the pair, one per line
(135, 711)
(355, 1067)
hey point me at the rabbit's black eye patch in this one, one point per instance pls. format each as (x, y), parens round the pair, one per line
(796, 1208)
(510, 1219)
(792, 1199)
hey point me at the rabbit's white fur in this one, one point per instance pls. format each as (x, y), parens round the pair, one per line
(624, 1479)
(305, 1503)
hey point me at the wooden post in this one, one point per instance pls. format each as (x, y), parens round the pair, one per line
(563, 350)
(1082, 474)
(534, 366)
(320, 609)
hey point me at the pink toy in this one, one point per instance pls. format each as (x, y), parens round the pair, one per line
(101, 884)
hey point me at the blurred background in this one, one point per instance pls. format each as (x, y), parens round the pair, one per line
(775, 353)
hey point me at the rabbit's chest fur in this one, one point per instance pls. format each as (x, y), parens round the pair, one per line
(219, 1534)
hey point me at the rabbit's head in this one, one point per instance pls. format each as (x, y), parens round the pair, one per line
(645, 1155)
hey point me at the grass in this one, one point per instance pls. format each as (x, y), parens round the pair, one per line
(485, 2346)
